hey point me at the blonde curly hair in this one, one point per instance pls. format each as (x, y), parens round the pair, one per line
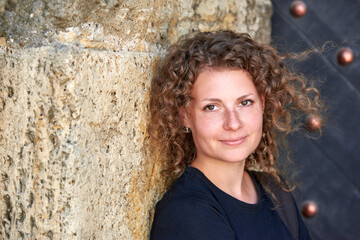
(287, 98)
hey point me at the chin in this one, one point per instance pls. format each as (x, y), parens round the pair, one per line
(235, 158)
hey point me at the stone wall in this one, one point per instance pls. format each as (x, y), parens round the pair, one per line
(74, 80)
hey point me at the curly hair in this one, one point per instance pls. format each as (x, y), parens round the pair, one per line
(287, 97)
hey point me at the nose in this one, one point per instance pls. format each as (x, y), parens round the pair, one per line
(232, 120)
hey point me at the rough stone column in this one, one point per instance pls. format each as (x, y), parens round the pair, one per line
(74, 77)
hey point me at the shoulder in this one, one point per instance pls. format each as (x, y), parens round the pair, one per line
(186, 212)
(271, 185)
(286, 207)
(189, 194)
(190, 188)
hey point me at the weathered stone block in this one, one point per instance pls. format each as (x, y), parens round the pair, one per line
(74, 79)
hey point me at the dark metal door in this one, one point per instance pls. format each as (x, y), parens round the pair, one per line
(329, 167)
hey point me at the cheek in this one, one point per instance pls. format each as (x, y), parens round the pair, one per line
(206, 125)
(255, 120)
(258, 121)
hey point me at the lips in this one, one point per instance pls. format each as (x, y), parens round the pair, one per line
(234, 142)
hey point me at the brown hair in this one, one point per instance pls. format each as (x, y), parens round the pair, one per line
(287, 98)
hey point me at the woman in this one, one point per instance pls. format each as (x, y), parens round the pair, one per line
(219, 104)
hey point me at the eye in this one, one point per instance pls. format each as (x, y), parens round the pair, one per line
(210, 107)
(246, 102)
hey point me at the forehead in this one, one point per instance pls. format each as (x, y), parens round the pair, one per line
(214, 82)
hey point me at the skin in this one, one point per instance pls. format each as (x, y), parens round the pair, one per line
(225, 115)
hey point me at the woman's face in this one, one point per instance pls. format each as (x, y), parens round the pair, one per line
(225, 115)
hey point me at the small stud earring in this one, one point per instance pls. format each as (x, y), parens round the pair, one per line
(187, 130)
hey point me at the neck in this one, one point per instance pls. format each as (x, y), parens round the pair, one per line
(229, 177)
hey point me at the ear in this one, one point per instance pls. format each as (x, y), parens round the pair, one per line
(263, 102)
(184, 117)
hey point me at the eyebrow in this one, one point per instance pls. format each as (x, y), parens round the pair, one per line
(219, 100)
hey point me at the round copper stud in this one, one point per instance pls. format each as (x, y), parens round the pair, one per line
(298, 9)
(313, 123)
(309, 209)
(345, 56)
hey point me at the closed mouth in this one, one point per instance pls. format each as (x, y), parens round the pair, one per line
(233, 142)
